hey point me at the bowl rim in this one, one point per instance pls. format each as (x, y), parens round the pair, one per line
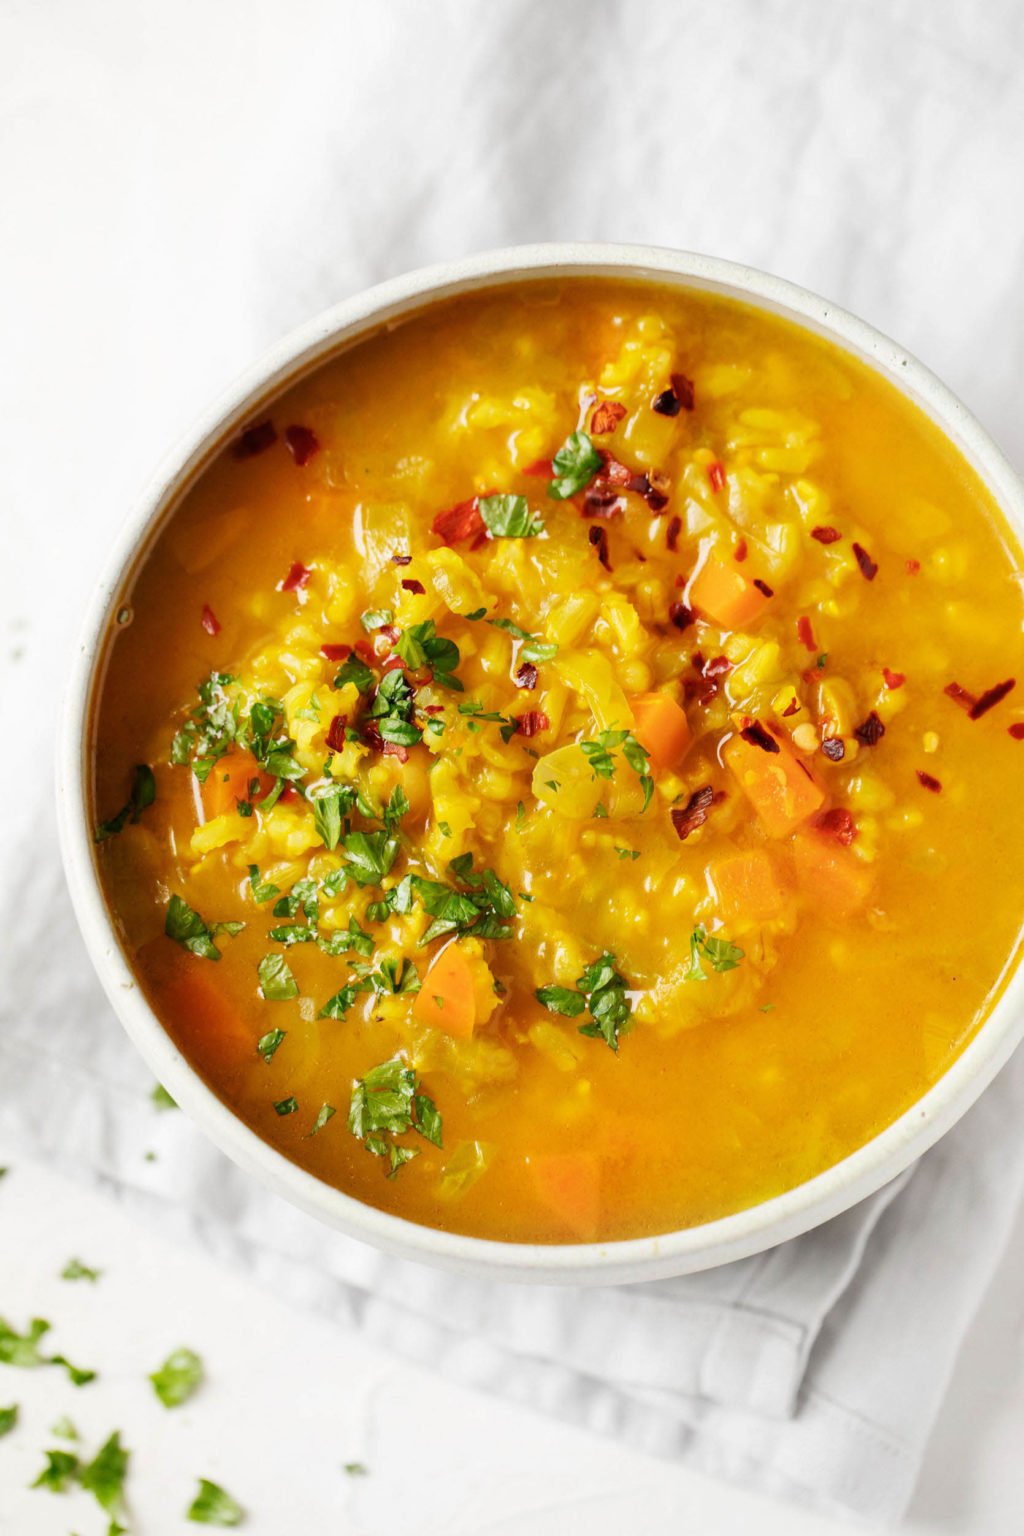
(707, 1245)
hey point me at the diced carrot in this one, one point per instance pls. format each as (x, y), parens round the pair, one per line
(205, 1020)
(830, 876)
(747, 886)
(569, 1184)
(778, 785)
(447, 1000)
(228, 782)
(725, 595)
(661, 726)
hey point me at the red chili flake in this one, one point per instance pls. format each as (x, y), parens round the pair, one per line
(716, 474)
(870, 731)
(463, 521)
(412, 585)
(682, 388)
(687, 818)
(697, 661)
(336, 733)
(718, 666)
(913, 566)
(541, 467)
(606, 417)
(757, 736)
(335, 652)
(960, 696)
(680, 615)
(792, 708)
(395, 749)
(928, 781)
(533, 721)
(741, 551)
(834, 748)
(526, 676)
(255, 439)
(210, 621)
(762, 586)
(289, 792)
(599, 539)
(672, 532)
(805, 633)
(868, 567)
(401, 559)
(825, 535)
(1016, 730)
(667, 403)
(838, 823)
(893, 679)
(297, 578)
(302, 443)
(392, 664)
(991, 697)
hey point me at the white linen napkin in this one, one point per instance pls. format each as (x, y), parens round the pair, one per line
(814, 1370)
(864, 149)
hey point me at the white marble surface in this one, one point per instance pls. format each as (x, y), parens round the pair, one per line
(176, 192)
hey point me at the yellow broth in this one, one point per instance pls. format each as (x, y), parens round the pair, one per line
(802, 950)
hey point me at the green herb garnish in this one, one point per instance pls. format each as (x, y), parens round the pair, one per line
(213, 1506)
(192, 932)
(276, 980)
(327, 1112)
(421, 646)
(602, 991)
(268, 1043)
(575, 465)
(376, 618)
(105, 1475)
(60, 1470)
(74, 1269)
(509, 517)
(600, 754)
(140, 797)
(719, 953)
(286, 1106)
(354, 670)
(370, 854)
(178, 1377)
(386, 1104)
(8, 1419)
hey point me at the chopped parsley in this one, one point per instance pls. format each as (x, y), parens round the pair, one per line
(355, 1469)
(276, 980)
(482, 907)
(211, 729)
(387, 1103)
(104, 1476)
(192, 932)
(600, 754)
(213, 1506)
(628, 853)
(140, 797)
(601, 990)
(509, 517)
(286, 1106)
(534, 648)
(178, 1377)
(64, 1429)
(326, 1112)
(262, 890)
(370, 855)
(60, 1470)
(421, 646)
(22, 1350)
(392, 710)
(161, 1099)
(575, 465)
(74, 1269)
(354, 670)
(8, 1419)
(376, 618)
(396, 976)
(268, 1043)
(719, 953)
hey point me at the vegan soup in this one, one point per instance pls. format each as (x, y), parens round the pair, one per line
(557, 770)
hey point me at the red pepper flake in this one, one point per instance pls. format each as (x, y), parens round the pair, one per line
(870, 732)
(991, 697)
(297, 578)
(667, 403)
(838, 823)
(792, 708)
(825, 535)
(1016, 730)
(960, 696)
(928, 781)
(526, 676)
(682, 388)
(302, 443)
(606, 417)
(433, 709)
(289, 792)
(336, 733)
(834, 748)
(255, 439)
(335, 652)
(389, 632)
(599, 539)
(672, 532)
(913, 566)
(868, 567)
(210, 621)
(531, 723)
(741, 551)
(542, 467)
(757, 736)
(762, 586)
(716, 474)
(412, 585)
(687, 818)
(463, 521)
(805, 633)
(401, 559)
(394, 749)
(893, 679)
(680, 615)
(718, 666)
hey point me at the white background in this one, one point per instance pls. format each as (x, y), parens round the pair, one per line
(179, 185)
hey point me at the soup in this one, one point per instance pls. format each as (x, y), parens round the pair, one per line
(557, 769)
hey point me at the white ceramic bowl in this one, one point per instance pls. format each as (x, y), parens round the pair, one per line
(649, 1258)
